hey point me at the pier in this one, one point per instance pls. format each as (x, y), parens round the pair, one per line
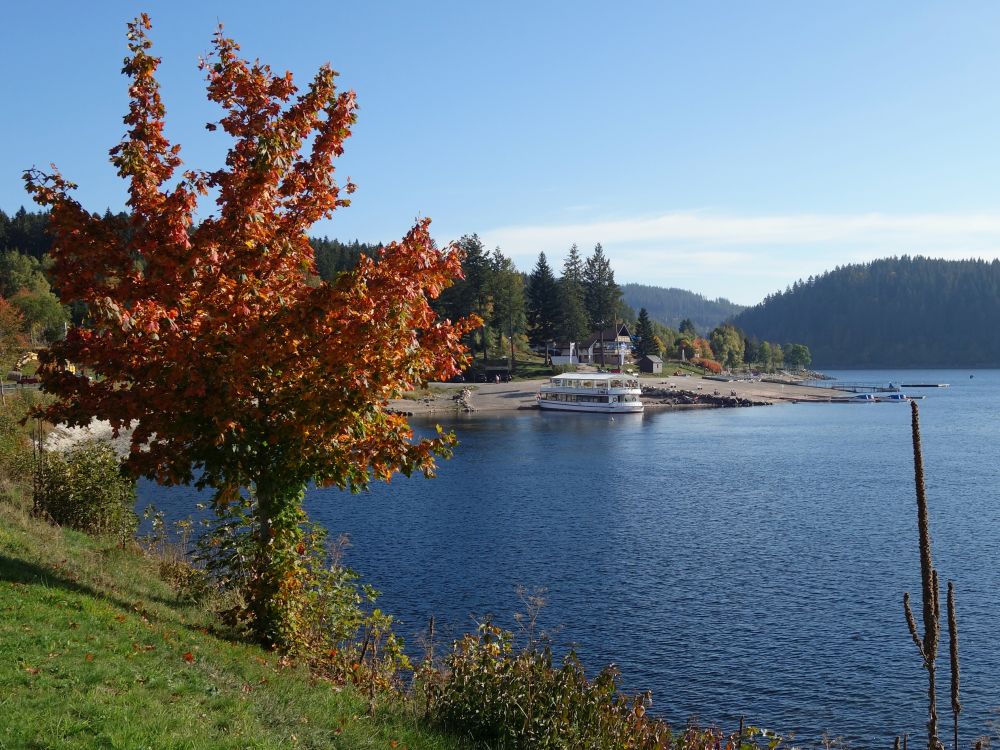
(857, 387)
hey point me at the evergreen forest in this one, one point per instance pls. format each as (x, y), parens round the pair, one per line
(895, 312)
(671, 306)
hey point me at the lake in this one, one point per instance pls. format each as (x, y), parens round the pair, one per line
(733, 561)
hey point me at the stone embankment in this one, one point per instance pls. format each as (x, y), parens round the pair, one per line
(654, 396)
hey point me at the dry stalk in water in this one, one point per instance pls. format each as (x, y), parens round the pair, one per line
(956, 706)
(927, 645)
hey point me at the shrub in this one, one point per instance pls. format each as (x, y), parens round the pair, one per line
(16, 453)
(333, 624)
(707, 364)
(518, 700)
(86, 490)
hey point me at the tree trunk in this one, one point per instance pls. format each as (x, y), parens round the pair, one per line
(277, 575)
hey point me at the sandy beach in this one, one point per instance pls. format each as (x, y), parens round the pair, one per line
(499, 397)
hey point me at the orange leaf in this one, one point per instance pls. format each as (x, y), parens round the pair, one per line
(188, 657)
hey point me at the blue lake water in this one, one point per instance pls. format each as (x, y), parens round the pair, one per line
(733, 561)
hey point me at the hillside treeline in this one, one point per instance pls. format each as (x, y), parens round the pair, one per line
(672, 306)
(894, 312)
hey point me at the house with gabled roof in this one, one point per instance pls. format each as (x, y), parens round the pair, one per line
(611, 347)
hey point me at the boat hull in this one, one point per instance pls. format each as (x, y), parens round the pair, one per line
(631, 407)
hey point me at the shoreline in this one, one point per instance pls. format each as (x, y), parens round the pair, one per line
(659, 393)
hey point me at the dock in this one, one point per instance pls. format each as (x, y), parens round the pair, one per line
(837, 385)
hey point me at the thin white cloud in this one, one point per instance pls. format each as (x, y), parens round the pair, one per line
(743, 257)
(704, 227)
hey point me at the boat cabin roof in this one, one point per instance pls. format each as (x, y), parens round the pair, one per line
(595, 380)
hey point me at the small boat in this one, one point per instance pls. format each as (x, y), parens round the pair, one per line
(600, 392)
(895, 398)
(862, 398)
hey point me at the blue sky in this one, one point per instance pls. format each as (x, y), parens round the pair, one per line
(729, 148)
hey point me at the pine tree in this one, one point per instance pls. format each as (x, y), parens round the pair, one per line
(507, 293)
(471, 295)
(601, 294)
(572, 311)
(645, 337)
(543, 303)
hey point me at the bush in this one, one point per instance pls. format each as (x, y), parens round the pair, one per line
(334, 625)
(517, 700)
(15, 450)
(707, 364)
(86, 490)
(16, 447)
(509, 699)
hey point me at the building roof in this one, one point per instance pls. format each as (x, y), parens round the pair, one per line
(651, 358)
(608, 335)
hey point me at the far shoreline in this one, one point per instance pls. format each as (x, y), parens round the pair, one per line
(519, 395)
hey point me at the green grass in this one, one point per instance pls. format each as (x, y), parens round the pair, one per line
(96, 652)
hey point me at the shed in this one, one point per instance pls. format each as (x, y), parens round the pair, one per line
(651, 363)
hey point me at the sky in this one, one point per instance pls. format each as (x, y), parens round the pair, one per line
(728, 147)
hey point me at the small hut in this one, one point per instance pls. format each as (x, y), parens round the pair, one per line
(650, 363)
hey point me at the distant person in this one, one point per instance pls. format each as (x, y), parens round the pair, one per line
(498, 378)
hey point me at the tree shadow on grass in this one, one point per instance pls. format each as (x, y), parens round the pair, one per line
(13, 570)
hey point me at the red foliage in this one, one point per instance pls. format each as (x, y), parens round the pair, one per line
(210, 336)
(216, 341)
(707, 364)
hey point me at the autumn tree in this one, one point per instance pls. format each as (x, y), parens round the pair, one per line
(237, 368)
(727, 344)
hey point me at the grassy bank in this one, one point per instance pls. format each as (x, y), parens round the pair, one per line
(95, 651)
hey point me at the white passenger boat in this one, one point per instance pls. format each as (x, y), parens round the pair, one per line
(591, 391)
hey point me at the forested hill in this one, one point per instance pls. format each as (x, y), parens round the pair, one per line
(671, 306)
(896, 312)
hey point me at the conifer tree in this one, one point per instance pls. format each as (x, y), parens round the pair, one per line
(542, 303)
(573, 324)
(507, 292)
(645, 336)
(602, 296)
